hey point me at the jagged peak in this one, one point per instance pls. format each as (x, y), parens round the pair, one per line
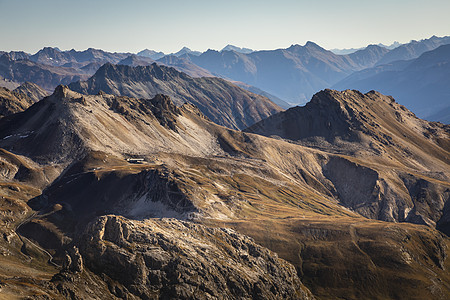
(311, 44)
(154, 69)
(64, 92)
(210, 51)
(308, 46)
(61, 91)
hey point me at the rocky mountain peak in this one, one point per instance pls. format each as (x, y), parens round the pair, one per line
(372, 119)
(61, 91)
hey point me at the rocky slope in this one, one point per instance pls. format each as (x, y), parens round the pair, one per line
(168, 258)
(374, 129)
(11, 103)
(32, 90)
(106, 168)
(221, 101)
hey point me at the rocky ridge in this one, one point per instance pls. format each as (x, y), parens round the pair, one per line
(222, 102)
(372, 127)
(141, 159)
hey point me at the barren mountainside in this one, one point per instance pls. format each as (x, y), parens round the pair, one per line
(375, 129)
(88, 177)
(222, 102)
(32, 90)
(20, 98)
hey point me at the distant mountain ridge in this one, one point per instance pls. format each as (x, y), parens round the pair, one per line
(237, 49)
(71, 58)
(151, 54)
(221, 101)
(292, 75)
(421, 84)
(43, 75)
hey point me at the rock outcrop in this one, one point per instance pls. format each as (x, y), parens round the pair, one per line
(167, 258)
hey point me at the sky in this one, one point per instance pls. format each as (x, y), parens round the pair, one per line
(168, 25)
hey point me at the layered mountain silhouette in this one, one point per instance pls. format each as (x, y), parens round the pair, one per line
(296, 73)
(421, 84)
(184, 65)
(101, 170)
(135, 60)
(151, 54)
(413, 49)
(291, 75)
(73, 58)
(47, 77)
(221, 101)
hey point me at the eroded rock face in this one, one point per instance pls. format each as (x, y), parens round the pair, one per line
(167, 258)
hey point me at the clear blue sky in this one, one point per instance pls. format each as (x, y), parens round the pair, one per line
(167, 25)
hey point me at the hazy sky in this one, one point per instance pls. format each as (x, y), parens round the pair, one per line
(167, 25)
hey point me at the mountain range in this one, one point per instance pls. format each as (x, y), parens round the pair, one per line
(115, 196)
(25, 70)
(296, 73)
(221, 101)
(287, 76)
(422, 84)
